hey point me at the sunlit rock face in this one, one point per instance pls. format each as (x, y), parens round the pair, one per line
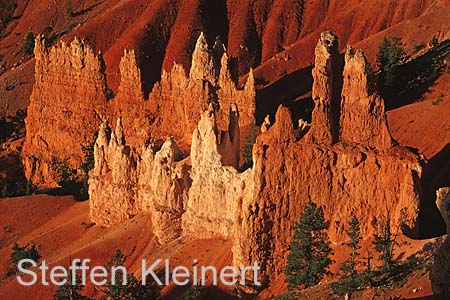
(66, 107)
(70, 99)
(191, 183)
(124, 183)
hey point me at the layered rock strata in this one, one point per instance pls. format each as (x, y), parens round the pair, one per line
(124, 183)
(360, 174)
(67, 105)
(345, 160)
(324, 129)
(69, 102)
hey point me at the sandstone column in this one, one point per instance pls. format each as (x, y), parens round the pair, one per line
(323, 128)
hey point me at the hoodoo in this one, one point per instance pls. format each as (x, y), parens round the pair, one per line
(348, 165)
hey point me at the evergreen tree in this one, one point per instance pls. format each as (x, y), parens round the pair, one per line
(28, 46)
(69, 9)
(70, 291)
(116, 290)
(27, 252)
(351, 280)
(384, 242)
(132, 289)
(390, 56)
(309, 257)
(354, 233)
(87, 165)
(65, 172)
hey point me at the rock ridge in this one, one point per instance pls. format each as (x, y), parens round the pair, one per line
(70, 99)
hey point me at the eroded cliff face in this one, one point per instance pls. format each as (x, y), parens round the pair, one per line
(345, 180)
(362, 113)
(125, 183)
(67, 105)
(181, 97)
(440, 272)
(69, 102)
(360, 174)
(345, 163)
(323, 129)
(217, 186)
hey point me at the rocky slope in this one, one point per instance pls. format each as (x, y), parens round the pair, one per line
(277, 35)
(347, 164)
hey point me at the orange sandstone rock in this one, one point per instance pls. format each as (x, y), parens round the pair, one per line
(346, 164)
(69, 102)
(67, 105)
(323, 129)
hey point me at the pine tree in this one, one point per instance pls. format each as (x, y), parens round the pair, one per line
(86, 166)
(70, 291)
(116, 290)
(132, 289)
(351, 280)
(390, 56)
(354, 233)
(384, 242)
(28, 46)
(309, 257)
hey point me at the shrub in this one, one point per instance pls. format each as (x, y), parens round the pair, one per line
(27, 252)
(28, 45)
(69, 291)
(391, 55)
(109, 94)
(194, 293)
(20, 187)
(289, 295)
(434, 41)
(133, 289)
(438, 99)
(69, 9)
(309, 257)
(7, 7)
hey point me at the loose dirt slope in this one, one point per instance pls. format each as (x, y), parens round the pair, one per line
(61, 228)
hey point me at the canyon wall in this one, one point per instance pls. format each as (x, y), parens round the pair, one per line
(346, 163)
(66, 107)
(70, 99)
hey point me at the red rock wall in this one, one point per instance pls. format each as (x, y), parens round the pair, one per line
(346, 164)
(69, 103)
(66, 107)
(344, 179)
